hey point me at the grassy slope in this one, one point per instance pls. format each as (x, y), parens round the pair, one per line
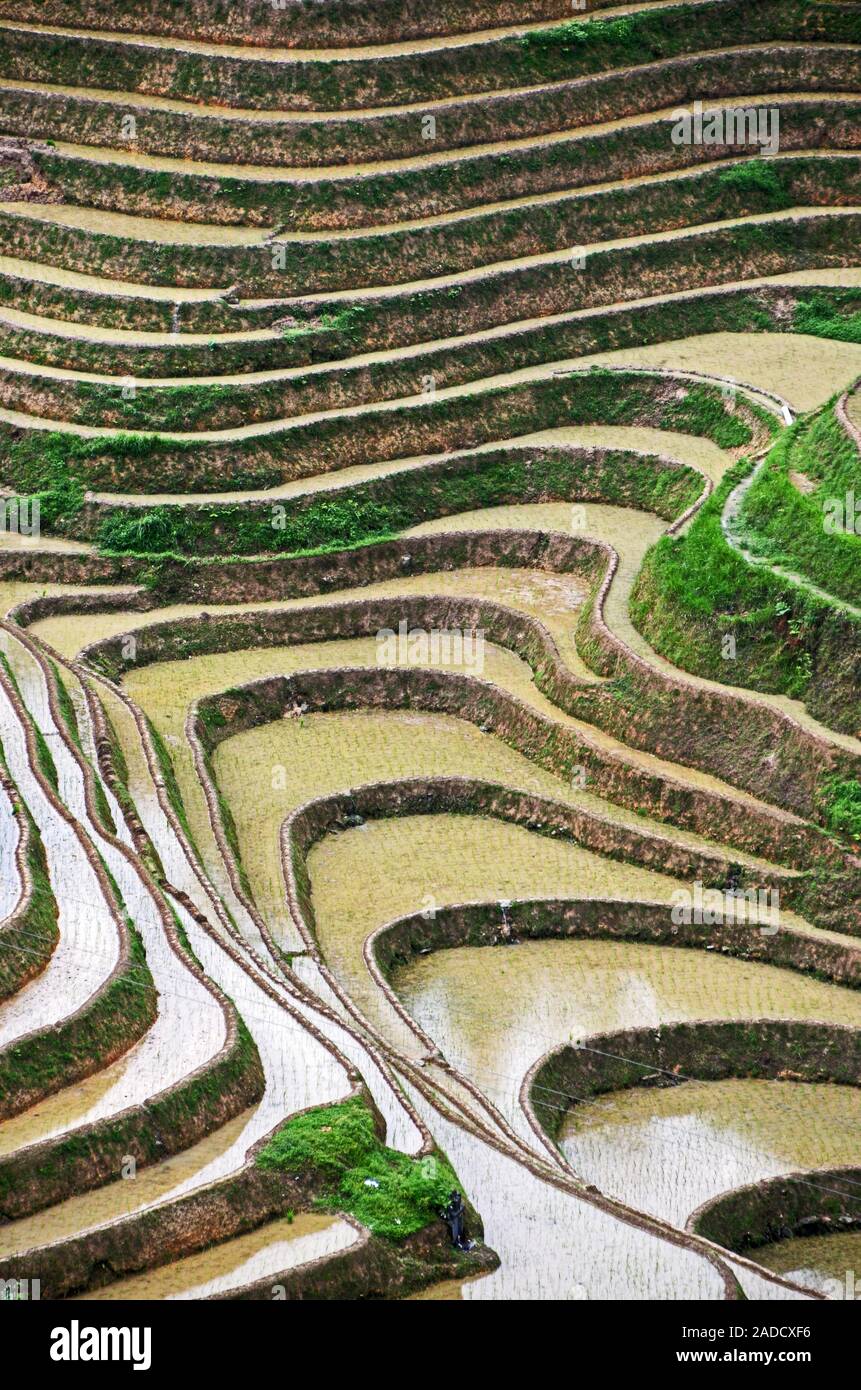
(791, 526)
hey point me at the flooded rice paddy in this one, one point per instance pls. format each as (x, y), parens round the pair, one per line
(669, 1151)
(266, 773)
(189, 1028)
(806, 371)
(89, 944)
(696, 451)
(477, 1003)
(584, 987)
(266, 1253)
(631, 543)
(829, 1264)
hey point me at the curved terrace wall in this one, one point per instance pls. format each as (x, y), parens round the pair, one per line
(709, 1051)
(229, 1207)
(820, 310)
(568, 121)
(185, 133)
(297, 23)
(319, 264)
(29, 933)
(171, 1120)
(547, 744)
(220, 405)
(688, 718)
(486, 924)
(778, 1208)
(784, 839)
(118, 1013)
(380, 433)
(829, 897)
(701, 718)
(347, 200)
(554, 54)
(391, 502)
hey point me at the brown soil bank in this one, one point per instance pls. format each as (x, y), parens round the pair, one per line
(265, 701)
(42, 1174)
(113, 1018)
(188, 407)
(540, 919)
(106, 304)
(555, 746)
(150, 252)
(233, 196)
(466, 796)
(414, 426)
(102, 1030)
(398, 74)
(718, 730)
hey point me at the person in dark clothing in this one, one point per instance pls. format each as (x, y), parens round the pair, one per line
(454, 1216)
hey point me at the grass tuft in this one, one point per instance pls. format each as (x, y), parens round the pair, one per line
(389, 1192)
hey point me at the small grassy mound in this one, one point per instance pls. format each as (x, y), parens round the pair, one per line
(813, 531)
(694, 589)
(694, 592)
(821, 318)
(389, 1192)
(841, 801)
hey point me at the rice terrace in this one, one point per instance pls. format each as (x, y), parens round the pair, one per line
(430, 652)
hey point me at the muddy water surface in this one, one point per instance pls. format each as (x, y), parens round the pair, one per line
(120, 1198)
(830, 1264)
(300, 1070)
(88, 947)
(12, 592)
(698, 452)
(495, 1010)
(189, 1028)
(267, 1252)
(129, 227)
(668, 1151)
(555, 599)
(555, 1246)
(805, 370)
(266, 773)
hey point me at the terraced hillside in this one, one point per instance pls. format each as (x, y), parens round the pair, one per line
(430, 654)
